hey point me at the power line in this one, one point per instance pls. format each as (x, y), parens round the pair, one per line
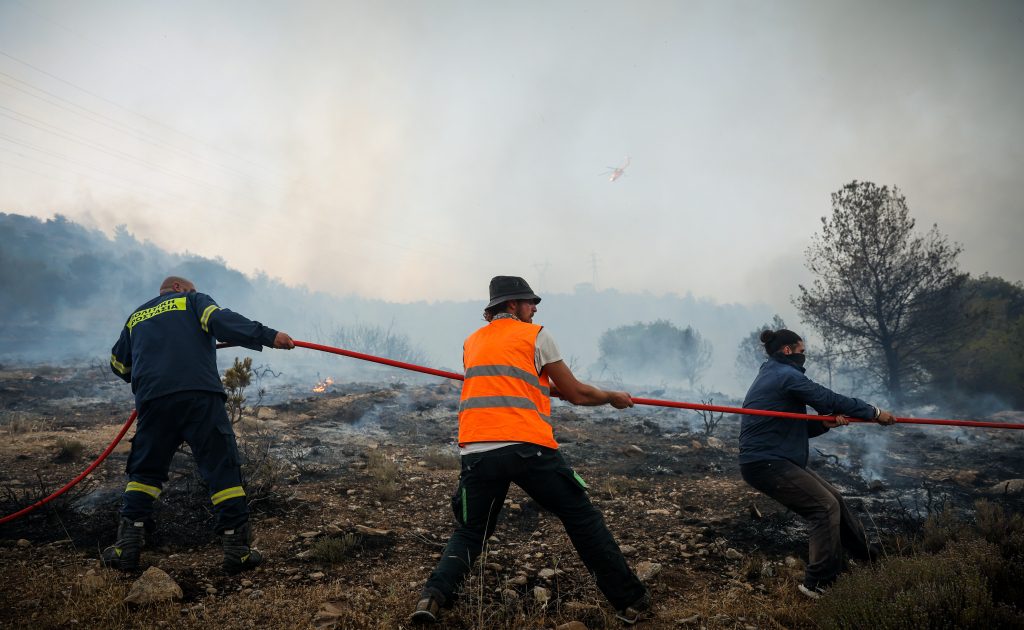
(71, 160)
(99, 118)
(134, 113)
(68, 135)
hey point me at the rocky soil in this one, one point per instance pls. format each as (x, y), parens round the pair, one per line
(350, 491)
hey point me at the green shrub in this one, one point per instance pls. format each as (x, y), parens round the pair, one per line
(68, 449)
(951, 589)
(334, 549)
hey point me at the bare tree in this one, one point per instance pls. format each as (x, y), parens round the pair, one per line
(696, 355)
(378, 340)
(708, 418)
(880, 287)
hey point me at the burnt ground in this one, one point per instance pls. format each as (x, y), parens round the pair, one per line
(350, 493)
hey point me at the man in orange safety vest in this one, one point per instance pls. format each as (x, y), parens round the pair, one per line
(505, 436)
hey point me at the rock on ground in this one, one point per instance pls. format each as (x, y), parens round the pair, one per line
(154, 586)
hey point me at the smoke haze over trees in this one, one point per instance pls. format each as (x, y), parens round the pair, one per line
(750, 353)
(68, 289)
(882, 292)
(654, 353)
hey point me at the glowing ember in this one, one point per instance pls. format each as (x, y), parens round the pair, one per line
(321, 386)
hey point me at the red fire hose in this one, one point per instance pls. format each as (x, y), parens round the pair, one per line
(458, 377)
(670, 403)
(73, 482)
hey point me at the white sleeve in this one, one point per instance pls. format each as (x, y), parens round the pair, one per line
(546, 350)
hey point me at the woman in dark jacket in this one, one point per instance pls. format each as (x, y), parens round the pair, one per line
(773, 454)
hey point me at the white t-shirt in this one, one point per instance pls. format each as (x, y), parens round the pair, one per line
(545, 352)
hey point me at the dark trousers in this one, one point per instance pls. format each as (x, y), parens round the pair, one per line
(198, 418)
(832, 524)
(543, 474)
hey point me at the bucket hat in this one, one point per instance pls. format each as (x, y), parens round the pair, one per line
(505, 288)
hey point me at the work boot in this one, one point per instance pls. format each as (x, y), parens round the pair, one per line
(124, 553)
(238, 555)
(428, 610)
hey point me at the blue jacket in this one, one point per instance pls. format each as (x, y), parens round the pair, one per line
(781, 386)
(169, 344)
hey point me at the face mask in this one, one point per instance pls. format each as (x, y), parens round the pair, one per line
(797, 359)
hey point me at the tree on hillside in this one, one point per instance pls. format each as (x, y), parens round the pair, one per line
(988, 359)
(654, 352)
(750, 353)
(881, 291)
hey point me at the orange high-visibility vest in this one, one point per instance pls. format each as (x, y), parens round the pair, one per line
(504, 399)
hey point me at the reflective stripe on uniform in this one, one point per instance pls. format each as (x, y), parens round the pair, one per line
(228, 493)
(120, 367)
(499, 402)
(205, 319)
(507, 370)
(173, 304)
(135, 486)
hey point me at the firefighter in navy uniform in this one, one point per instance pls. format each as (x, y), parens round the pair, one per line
(167, 351)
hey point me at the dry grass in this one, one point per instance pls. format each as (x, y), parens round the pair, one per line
(21, 423)
(68, 449)
(384, 474)
(615, 486)
(442, 459)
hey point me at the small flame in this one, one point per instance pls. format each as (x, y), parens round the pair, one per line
(321, 386)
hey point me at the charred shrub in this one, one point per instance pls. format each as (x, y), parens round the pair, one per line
(263, 471)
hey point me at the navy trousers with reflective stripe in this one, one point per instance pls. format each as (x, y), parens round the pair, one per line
(198, 418)
(545, 476)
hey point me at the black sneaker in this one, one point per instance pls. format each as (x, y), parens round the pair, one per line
(428, 610)
(814, 592)
(637, 611)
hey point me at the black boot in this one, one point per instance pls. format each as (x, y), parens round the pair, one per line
(238, 555)
(125, 552)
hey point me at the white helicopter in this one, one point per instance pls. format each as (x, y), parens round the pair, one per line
(615, 172)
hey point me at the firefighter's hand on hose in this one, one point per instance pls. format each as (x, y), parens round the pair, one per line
(839, 421)
(620, 400)
(283, 341)
(885, 418)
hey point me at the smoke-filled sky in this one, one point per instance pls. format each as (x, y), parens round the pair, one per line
(410, 150)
